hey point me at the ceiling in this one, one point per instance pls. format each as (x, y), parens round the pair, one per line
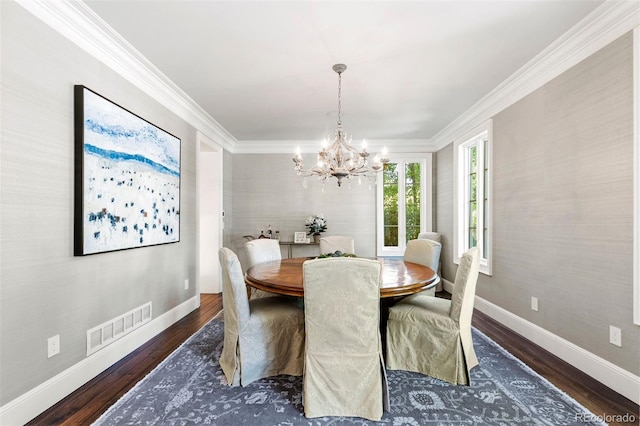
(263, 69)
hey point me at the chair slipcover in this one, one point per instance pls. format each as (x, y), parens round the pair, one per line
(431, 335)
(344, 367)
(430, 236)
(437, 238)
(331, 244)
(262, 337)
(259, 251)
(425, 252)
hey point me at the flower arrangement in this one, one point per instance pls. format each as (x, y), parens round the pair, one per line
(337, 253)
(316, 224)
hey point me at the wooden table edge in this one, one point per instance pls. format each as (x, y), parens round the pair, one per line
(385, 292)
(282, 290)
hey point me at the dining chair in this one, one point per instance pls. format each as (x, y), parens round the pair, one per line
(430, 236)
(259, 251)
(262, 337)
(424, 252)
(344, 371)
(334, 243)
(432, 335)
(437, 237)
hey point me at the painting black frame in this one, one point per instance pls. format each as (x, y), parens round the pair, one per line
(114, 145)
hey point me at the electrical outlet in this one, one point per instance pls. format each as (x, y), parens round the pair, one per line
(534, 304)
(615, 336)
(53, 346)
(186, 284)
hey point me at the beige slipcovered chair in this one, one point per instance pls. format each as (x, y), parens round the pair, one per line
(431, 335)
(259, 251)
(437, 238)
(424, 252)
(262, 337)
(344, 366)
(334, 243)
(430, 236)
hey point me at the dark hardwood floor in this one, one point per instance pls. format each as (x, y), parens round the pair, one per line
(87, 403)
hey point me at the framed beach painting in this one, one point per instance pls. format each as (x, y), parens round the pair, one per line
(127, 178)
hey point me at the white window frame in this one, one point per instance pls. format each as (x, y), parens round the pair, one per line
(461, 194)
(426, 208)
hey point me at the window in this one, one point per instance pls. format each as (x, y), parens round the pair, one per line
(472, 198)
(403, 202)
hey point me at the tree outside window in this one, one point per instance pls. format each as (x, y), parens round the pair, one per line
(404, 206)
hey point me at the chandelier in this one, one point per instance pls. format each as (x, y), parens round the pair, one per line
(340, 159)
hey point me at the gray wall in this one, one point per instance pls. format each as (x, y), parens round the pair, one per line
(267, 191)
(443, 161)
(227, 197)
(563, 206)
(45, 290)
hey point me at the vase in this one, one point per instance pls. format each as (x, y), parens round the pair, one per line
(316, 238)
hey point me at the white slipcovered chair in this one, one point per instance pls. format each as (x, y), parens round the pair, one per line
(437, 238)
(259, 251)
(432, 335)
(424, 252)
(344, 371)
(262, 337)
(334, 243)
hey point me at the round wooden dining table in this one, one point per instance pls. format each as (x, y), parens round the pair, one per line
(399, 278)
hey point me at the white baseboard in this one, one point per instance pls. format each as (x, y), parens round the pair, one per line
(31, 404)
(612, 376)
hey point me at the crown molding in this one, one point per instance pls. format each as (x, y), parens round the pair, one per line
(311, 146)
(605, 24)
(77, 22)
(404, 146)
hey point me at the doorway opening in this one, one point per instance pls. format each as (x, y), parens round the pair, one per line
(210, 215)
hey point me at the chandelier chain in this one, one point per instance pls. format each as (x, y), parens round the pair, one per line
(339, 98)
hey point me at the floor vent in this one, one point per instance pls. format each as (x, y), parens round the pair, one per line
(110, 331)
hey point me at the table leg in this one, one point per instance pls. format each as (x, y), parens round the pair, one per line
(385, 304)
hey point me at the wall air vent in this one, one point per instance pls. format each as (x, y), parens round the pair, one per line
(110, 331)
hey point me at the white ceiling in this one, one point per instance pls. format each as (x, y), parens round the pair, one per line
(262, 69)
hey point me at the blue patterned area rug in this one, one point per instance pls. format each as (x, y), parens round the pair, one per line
(188, 388)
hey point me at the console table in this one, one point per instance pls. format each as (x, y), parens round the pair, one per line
(291, 244)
